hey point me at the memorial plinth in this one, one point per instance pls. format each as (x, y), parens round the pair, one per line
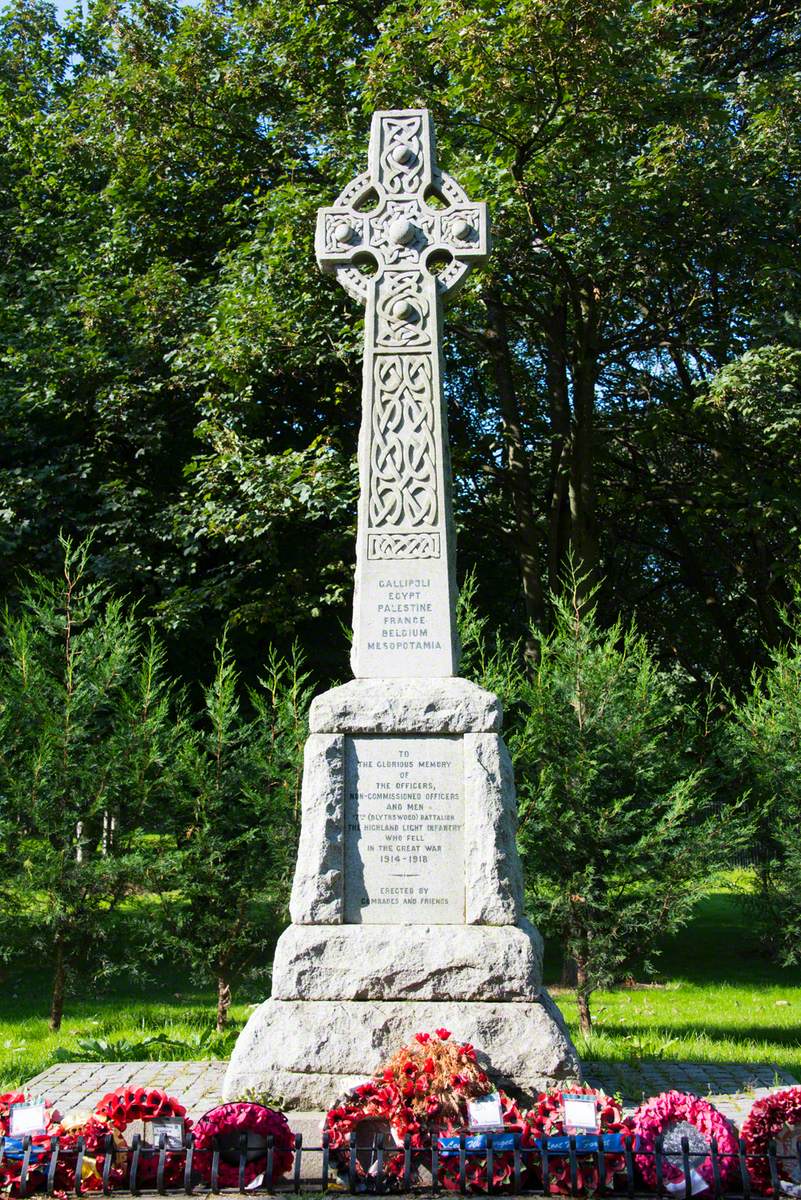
(407, 903)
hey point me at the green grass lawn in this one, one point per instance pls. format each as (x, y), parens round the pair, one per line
(717, 999)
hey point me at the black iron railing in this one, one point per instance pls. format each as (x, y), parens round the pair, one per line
(383, 1168)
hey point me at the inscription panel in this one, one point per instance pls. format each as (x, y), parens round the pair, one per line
(404, 830)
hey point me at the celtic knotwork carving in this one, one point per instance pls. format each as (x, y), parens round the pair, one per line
(451, 276)
(394, 326)
(403, 545)
(401, 230)
(403, 479)
(401, 154)
(353, 225)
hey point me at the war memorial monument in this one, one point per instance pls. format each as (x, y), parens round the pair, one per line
(407, 904)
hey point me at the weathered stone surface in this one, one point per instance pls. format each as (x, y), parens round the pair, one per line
(317, 890)
(404, 830)
(310, 1051)
(408, 962)
(493, 874)
(406, 706)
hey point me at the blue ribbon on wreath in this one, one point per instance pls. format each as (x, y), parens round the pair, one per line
(13, 1150)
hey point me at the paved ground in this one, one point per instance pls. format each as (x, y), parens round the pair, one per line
(77, 1085)
(733, 1087)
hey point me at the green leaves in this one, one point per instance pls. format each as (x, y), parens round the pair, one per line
(616, 826)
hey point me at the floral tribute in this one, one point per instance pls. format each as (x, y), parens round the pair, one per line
(11, 1162)
(229, 1122)
(112, 1115)
(422, 1092)
(476, 1164)
(673, 1115)
(546, 1119)
(93, 1130)
(377, 1106)
(774, 1117)
(119, 1108)
(436, 1076)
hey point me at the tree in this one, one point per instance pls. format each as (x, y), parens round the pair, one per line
(760, 744)
(617, 834)
(236, 823)
(176, 374)
(87, 736)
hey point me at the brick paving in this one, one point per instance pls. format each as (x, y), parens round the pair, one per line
(733, 1087)
(198, 1085)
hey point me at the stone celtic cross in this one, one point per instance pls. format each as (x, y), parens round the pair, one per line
(420, 234)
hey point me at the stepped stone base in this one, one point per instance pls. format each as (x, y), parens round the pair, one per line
(311, 1051)
(408, 962)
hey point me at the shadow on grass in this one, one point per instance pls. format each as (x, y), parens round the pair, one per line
(718, 946)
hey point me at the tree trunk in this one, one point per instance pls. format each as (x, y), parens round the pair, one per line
(583, 999)
(519, 471)
(223, 1002)
(59, 977)
(583, 531)
(555, 354)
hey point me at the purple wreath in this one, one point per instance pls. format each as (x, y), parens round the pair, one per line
(229, 1122)
(674, 1115)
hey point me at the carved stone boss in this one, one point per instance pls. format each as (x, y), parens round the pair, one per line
(420, 234)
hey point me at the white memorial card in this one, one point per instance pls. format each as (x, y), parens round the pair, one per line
(173, 1130)
(27, 1118)
(580, 1113)
(485, 1112)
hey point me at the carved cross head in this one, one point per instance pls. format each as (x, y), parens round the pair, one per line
(402, 215)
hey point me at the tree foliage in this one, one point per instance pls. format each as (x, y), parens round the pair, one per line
(88, 734)
(760, 744)
(618, 833)
(176, 374)
(237, 820)
(110, 787)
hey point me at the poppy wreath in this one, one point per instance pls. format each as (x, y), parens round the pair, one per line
(436, 1076)
(378, 1102)
(546, 1119)
(774, 1117)
(237, 1118)
(11, 1165)
(476, 1164)
(12, 1157)
(119, 1108)
(684, 1112)
(94, 1131)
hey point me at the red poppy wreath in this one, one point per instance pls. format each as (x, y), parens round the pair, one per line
(377, 1107)
(776, 1117)
(546, 1119)
(12, 1157)
(476, 1166)
(228, 1122)
(672, 1116)
(119, 1108)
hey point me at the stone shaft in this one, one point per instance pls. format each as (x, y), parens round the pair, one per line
(405, 590)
